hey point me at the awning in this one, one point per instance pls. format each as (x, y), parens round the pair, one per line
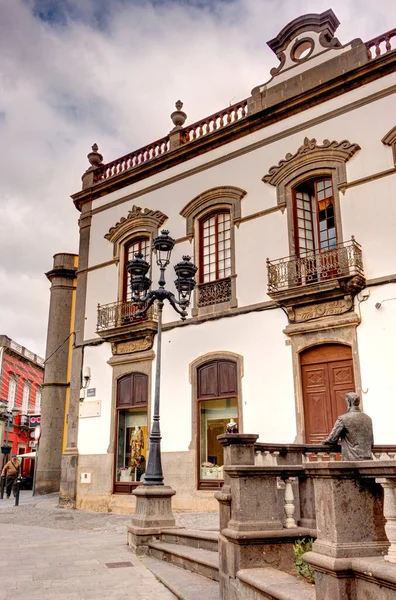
(27, 455)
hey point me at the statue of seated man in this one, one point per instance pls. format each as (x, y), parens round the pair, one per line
(355, 430)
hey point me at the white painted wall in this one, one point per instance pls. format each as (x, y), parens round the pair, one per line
(368, 212)
(376, 342)
(94, 432)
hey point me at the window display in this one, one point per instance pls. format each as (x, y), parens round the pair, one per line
(215, 416)
(131, 445)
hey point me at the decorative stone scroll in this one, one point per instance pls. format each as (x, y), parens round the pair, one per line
(136, 218)
(309, 152)
(317, 311)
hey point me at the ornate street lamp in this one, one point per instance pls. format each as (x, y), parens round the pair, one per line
(10, 416)
(140, 283)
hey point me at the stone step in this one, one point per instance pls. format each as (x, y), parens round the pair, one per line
(207, 540)
(196, 560)
(183, 584)
(272, 584)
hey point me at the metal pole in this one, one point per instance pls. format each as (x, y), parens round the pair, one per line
(35, 469)
(17, 490)
(3, 480)
(154, 475)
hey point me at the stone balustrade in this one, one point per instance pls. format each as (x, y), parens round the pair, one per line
(382, 44)
(275, 494)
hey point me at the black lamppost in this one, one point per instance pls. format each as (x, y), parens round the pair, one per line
(140, 284)
(10, 416)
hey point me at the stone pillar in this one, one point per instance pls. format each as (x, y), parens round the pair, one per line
(238, 450)
(153, 513)
(389, 486)
(56, 383)
(69, 466)
(350, 523)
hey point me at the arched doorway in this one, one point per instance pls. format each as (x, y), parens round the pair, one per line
(326, 375)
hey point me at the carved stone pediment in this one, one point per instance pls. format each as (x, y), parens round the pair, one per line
(137, 218)
(311, 312)
(137, 344)
(310, 153)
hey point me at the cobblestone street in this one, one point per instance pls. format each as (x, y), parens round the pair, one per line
(49, 553)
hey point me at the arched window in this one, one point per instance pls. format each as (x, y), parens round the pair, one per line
(211, 218)
(215, 247)
(217, 400)
(141, 245)
(314, 216)
(132, 401)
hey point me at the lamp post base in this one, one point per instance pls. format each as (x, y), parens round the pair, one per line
(153, 514)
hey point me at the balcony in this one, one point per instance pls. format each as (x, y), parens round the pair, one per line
(119, 321)
(214, 292)
(317, 275)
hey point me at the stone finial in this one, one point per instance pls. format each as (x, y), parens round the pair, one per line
(94, 157)
(178, 116)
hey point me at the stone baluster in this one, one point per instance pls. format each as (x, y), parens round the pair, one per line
(290, 508)
(389, 486)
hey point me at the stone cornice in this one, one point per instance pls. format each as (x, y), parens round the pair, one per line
(210, 199)
(136, 219)
(309, 153)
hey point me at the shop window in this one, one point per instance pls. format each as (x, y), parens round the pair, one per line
(131, 452)
(217, 404)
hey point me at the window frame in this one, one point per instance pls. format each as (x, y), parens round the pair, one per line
(14, 379)
(202, 221)
(126, 246)
(314, 212)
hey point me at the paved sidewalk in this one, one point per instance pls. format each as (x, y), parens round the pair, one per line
(49, 553)
(38, 563)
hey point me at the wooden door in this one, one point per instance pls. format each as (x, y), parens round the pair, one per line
(327, 375)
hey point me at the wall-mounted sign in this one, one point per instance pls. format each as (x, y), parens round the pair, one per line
(91, 392)
(37, 433)
(34, 420)
(90, 409)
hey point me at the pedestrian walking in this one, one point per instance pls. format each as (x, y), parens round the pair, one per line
(11, 471)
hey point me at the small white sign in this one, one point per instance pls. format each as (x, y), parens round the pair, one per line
(85, 477)
(90, 409)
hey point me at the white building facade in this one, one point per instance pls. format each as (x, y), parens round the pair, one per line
(285, 202)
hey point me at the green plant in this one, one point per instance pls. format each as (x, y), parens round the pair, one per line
(299, 549)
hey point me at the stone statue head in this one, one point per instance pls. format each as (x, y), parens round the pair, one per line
(352, 400)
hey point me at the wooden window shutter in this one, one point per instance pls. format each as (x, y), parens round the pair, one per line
(227, 385)
(140, 389)
(132, 390)
(216, 379)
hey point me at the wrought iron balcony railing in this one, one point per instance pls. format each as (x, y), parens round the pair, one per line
(345, 260)
(214, 292)
(118, 314)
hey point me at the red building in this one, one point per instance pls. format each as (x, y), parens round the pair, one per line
(21, 380)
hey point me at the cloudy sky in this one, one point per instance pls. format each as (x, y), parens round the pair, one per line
(74, 72)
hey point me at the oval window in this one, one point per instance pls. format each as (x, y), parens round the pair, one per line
(303, 50)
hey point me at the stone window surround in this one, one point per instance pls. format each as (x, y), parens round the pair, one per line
(390, 140)
(335, 330)
(139, 223)
(311, 162)
(222, 198)
(122, 365)
(193, 367)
